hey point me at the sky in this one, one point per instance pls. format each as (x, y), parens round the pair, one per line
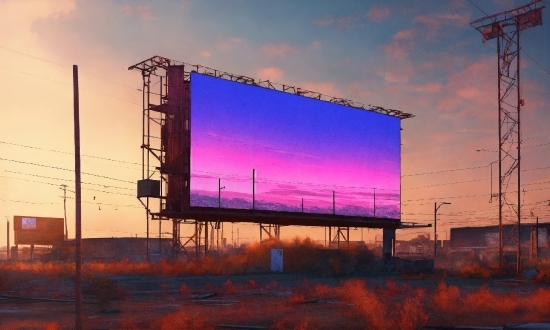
(304, 149)
(420, 57)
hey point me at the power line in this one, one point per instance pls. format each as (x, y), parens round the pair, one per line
(64, 66)
(70, 153)
(58, 82)
(26, 202)
(64, 169)
(53, 184)
(53, 178)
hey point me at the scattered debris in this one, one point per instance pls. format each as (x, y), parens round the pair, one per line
(205, 295)
(530, 273)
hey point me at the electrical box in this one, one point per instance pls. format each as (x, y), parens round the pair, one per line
(148, 188)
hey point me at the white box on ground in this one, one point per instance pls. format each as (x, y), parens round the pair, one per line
(277, 260)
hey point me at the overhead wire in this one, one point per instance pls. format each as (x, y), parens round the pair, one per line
(65, 169)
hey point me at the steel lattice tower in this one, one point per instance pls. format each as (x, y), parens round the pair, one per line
(506, 28)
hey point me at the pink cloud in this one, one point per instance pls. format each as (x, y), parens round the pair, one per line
(358, 90)
(405, 34)
(398, 49)
(205, 54)
(143, 12)
(429, 87)
(315, 45)
(326, 88)
(379, 14)
(277, 50)
(270, 73)
(400, 46)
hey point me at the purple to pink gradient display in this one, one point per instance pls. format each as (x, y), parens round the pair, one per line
(307, 154)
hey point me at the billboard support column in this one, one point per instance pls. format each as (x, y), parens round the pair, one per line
(388, 237)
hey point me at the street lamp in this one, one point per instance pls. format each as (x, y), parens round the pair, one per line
(436, 207)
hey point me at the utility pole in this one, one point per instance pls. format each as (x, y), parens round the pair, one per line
(374, 208)
(253, 188)
(435, 224)
(8, 247)
(64, 187)
(78, 229)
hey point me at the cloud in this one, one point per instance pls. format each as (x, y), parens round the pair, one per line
(277, 50)
(341, 23)
(143, 12)
(205, 54)
(400, 46)
(397, 49)
(435, 22)
(316, 45)
(270, 73)
(358, 90)
(326, 88)
(429, 87)
(403, 35)
(379, 14)
(229, 43)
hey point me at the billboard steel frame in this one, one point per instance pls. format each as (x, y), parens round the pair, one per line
(156, 113)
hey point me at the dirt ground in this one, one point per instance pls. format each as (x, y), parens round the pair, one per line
(259, 301)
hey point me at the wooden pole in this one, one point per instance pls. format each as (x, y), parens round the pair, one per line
(8, 247)
(78, 227)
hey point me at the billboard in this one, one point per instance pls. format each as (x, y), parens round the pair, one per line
(262, 149)
(38, 230)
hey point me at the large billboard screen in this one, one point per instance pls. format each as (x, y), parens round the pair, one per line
(306, 155)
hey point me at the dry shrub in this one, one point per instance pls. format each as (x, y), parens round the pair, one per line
(128, 324)
(478, 270)
(104, 289)
(538, 304)
(323, 292)
(229, 288)
(297, 298)
(4, 280)
(411, 314)
(185, 291)
(481, 300)
(272, 286)
(366, 303)
(52, 326)
(300, 255)
(543, 275)
(252, 284)
(446, 298)
(181, 320)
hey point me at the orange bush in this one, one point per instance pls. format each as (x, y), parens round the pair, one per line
(446, 298)
(181, 320)
(366, 303)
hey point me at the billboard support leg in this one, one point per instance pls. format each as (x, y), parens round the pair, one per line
(388, 238)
